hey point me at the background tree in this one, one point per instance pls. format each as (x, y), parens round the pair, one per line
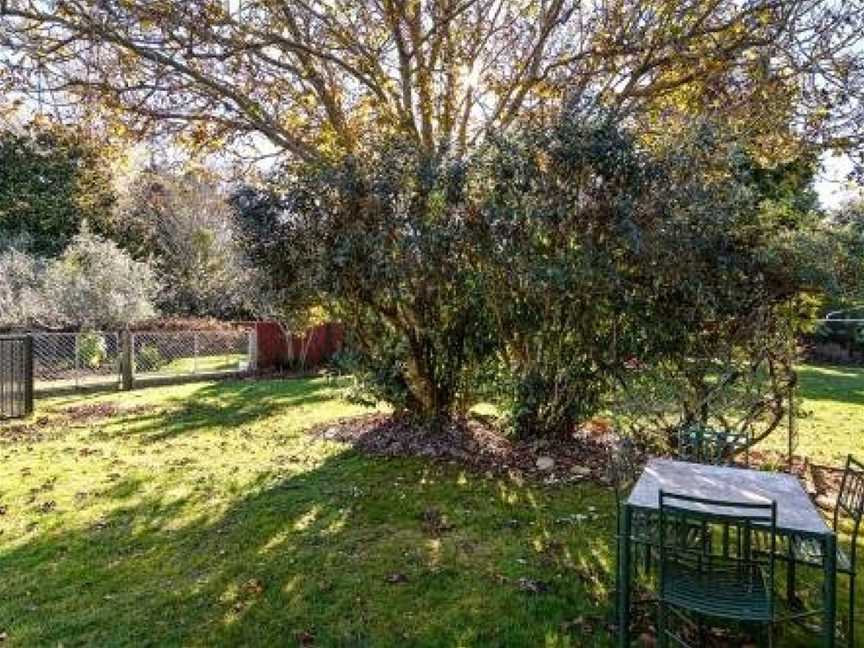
(95, 284)
(847, 227)
(21, 301)
(184, 224)
(52, 178)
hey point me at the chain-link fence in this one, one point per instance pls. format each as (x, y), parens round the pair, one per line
(163, 354)
(69, 361)
(75, 360)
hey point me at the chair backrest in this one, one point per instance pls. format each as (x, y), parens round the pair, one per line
(718, 537)
(623, 468)
(707, 445)
(850, 501)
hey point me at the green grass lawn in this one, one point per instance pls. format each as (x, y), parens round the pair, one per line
(212, 518)
(204, 364)
(833, 398)
(205, 515)
(225, 362)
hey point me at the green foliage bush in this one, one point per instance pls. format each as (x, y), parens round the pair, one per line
(384, 242)
(561, 271)
(92, 349)
(560, 209)
(149, 358)
(94, 284)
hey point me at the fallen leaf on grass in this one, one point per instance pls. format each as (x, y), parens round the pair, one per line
(579, 624)
(434, 522)
(252, 586)
(532, 586)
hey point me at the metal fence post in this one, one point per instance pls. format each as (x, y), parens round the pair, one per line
(28, 375)
(77, 368)
(195, 352)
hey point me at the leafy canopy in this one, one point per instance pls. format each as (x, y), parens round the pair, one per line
(317, 79)
(52, 178)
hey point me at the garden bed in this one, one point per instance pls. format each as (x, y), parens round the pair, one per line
(476, 445)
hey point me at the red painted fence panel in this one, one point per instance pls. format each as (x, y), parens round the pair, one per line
(279, 350)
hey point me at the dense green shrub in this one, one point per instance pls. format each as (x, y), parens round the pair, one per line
(53, 178)
(560, 211)
(385, 243)
(95, 284)
(557, 269)
(92, 349)
(149, 358)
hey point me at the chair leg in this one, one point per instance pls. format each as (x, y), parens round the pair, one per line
(790, 583)
(662, 629)
(851, 631)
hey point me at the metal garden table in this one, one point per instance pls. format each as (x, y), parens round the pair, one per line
(796, 515)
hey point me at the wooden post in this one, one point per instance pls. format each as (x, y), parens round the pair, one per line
(77, 357)
(127, 368)
(252, 352)
(790, 434)
(28, 375)
(195, 352)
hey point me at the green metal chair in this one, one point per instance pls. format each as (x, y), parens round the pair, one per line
(707, 445)
(624, 465)
(623, 470)
(735, 583)
(806, 551)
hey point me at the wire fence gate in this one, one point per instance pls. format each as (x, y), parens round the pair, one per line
(103, 359)
(16, 376)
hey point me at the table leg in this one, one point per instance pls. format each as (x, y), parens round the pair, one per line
(829, 564)
(791, 597)
(624, 578)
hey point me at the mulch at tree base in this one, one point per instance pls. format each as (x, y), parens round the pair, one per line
(481, 447)
(474, 444)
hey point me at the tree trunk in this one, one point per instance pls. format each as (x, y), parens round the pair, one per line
(431, 402)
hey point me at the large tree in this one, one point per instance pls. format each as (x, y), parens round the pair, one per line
(318, 77)
(375, 104)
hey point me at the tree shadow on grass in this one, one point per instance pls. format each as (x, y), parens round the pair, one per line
(229, 405)
(338, 555)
